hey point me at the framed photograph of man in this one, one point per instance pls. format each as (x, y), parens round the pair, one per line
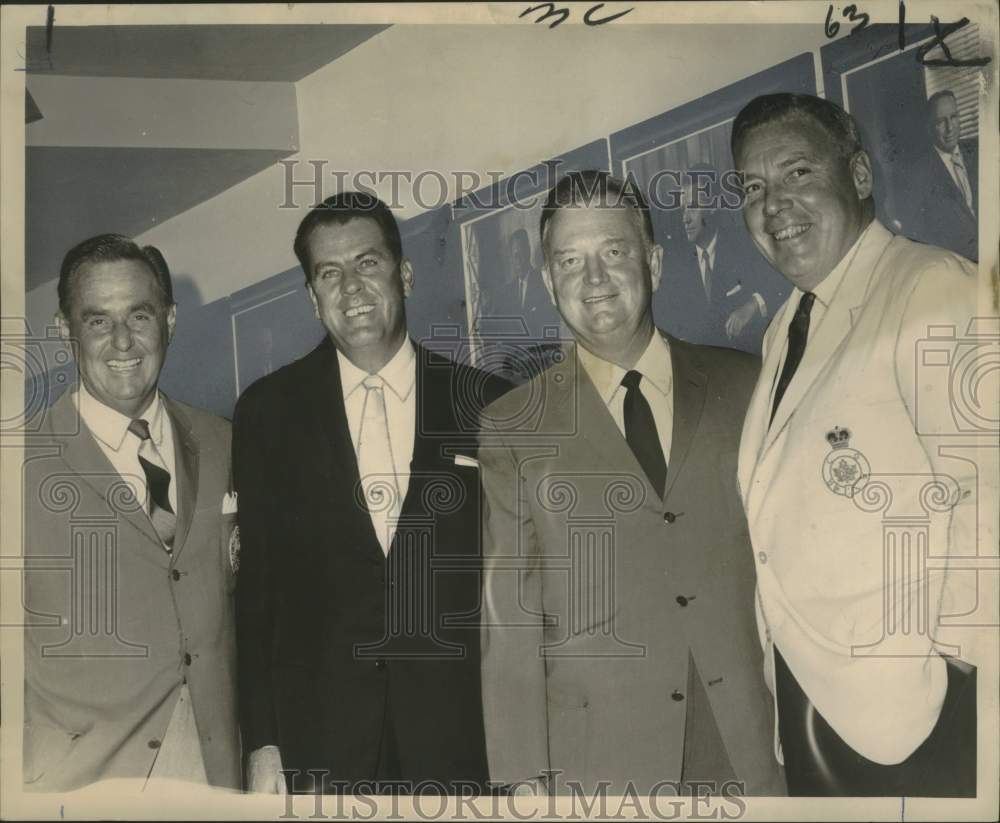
(514, 326)
(716, 288)
(920, 120)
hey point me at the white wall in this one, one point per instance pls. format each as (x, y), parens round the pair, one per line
(481, 98)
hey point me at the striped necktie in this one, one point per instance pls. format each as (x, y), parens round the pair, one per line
(161, 513)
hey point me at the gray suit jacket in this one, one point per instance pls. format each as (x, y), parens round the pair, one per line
(596, 592)
(114, 623)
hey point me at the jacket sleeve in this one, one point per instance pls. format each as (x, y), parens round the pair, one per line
(513, 670)
(252, 478)
(938, 360)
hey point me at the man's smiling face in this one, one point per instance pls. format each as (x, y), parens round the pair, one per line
(804, 202)
(602, 275)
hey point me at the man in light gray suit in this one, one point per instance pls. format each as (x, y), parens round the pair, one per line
(619, 648)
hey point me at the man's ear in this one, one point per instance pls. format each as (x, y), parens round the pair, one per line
(406, 275)
(312, 298)
(655, 260)
(861, 174)
(171, 321)
(547, 280)
(63, 324)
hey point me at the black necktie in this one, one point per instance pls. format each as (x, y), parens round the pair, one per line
(707, 280)
(640, 433)
(798, 331)
(161, 513)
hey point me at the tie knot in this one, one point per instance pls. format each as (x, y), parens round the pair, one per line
(806, 303)
(373, 382)
(632, 379)
(140, 428)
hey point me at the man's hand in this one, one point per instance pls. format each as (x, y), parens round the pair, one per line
(740, 317)
(264, 771)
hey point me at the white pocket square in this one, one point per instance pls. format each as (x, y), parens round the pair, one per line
(734, 289)
(462, 460)
(229, 503)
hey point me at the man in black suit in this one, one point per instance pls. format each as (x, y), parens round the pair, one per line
(946, 212)
(358, 592)
(715, 290)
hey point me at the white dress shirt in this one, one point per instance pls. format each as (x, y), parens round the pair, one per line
(656, 386)
(121, 447)
(824, 293)
(400, 376)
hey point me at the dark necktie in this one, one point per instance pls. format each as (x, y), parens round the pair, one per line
(161, 513)
(798, 331)
(640, 433)
(707, 263)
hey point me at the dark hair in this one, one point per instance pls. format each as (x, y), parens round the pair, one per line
(586, 187)
(938, 95)
(338, 210)
(770, 108)
(110, 248)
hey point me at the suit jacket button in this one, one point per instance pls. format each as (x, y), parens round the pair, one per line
(670, 517)
(762, 557)
(175, 575)
(677, 696)
(681, 600)
(380, 664)
(153, 744)
(187, 659)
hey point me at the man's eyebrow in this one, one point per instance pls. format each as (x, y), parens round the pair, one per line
(145, 306)
(369, 250)
(795, 158)
(86, 314)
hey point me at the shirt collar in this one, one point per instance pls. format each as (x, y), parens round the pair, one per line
(710, 248)
(825, 291)
(399, 373)
(950, 156)
(654, 365)
(110, 426)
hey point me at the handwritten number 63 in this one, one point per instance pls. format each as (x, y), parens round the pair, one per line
(851, 13)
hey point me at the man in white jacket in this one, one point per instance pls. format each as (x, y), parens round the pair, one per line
(855, 470)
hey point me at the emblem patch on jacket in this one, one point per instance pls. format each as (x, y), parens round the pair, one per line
(845, 470)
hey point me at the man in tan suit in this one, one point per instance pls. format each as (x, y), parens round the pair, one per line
(130, 549)
(618, 648)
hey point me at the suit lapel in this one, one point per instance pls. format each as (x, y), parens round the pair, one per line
(321, 393)
(836, 323)
(759, 409)
(600, 433)
(85, 458)
(186, 468)
(689, 402)
(434, 414)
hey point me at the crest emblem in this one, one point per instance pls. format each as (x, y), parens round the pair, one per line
(845, 470)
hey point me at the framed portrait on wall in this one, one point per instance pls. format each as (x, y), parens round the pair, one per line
(920, 122)
(716, 288)
(272, 324)
(514, 326)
